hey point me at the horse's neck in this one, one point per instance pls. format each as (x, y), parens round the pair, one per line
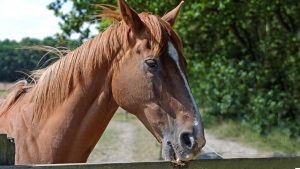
(71, 131)
(75, 122)
(80, 120)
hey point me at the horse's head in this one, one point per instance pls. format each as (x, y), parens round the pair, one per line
(150, 82)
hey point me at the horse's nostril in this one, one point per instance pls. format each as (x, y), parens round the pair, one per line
(187, 140)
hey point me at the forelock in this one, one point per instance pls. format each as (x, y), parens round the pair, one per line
(160, 33)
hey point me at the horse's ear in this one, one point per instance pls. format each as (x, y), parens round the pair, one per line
(130, 17)
(170, 17)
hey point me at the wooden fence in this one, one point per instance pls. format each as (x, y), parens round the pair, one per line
(7, 150)
(266, 163)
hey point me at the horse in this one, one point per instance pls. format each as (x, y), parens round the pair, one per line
(137, 64)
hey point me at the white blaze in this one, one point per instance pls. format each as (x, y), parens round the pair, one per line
(174, 55)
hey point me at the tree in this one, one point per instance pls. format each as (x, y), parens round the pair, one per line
(17, 61)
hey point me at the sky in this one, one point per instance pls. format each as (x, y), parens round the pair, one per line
(28, 18)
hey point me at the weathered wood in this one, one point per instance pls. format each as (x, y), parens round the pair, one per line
(7, 150)
(264, 163)
(3, 149)
(10, 152)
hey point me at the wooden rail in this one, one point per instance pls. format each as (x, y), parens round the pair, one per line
(262, 163)
(7, 158)
(7, 150)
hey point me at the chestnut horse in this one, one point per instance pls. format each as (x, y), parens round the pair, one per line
(136, 64)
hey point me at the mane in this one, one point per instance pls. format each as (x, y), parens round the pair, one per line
(56, 82)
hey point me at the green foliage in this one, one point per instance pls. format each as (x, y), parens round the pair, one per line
(243, 55)
(17, 61)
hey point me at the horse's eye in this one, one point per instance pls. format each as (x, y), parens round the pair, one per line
(152, 63)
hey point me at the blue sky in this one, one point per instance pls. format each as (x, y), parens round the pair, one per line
(27, 18)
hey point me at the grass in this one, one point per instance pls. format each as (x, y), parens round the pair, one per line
(1, 93)
(3, 87)
(276, 141)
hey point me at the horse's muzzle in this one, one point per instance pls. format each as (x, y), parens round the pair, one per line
(185, 148)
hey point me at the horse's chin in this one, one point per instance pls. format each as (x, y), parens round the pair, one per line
(169, 153)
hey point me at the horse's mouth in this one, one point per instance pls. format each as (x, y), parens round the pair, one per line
(176, 160)
(172, 155)
(175, 156)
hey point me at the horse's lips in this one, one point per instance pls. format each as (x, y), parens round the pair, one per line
(175, 158)
(172, 154)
